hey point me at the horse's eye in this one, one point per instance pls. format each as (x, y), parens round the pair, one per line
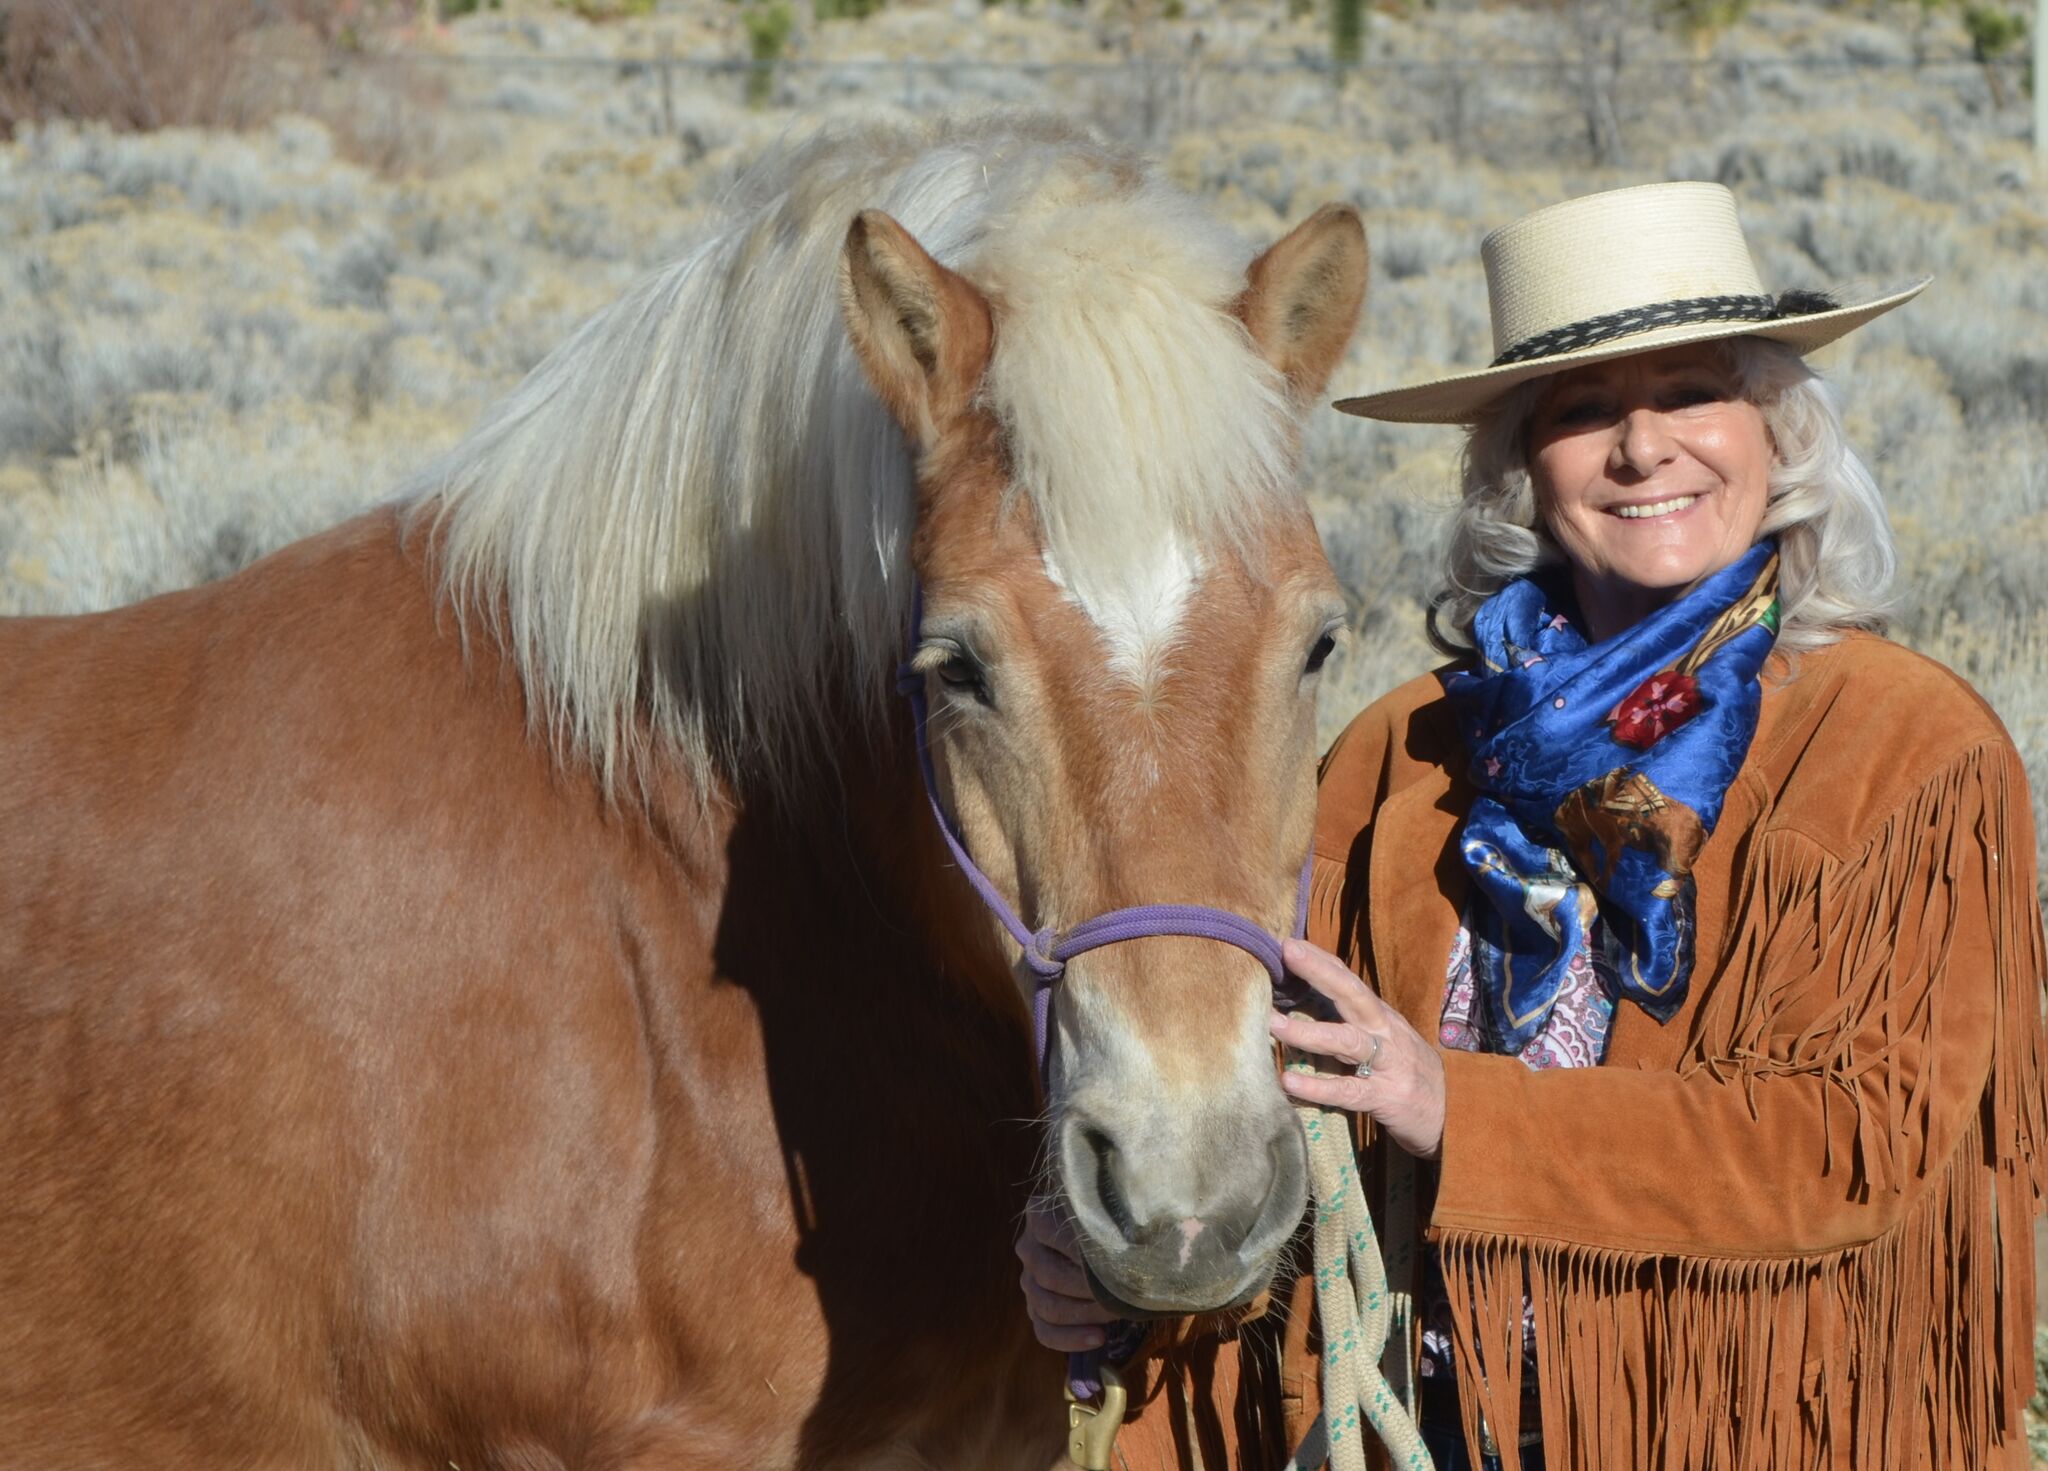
(961, 673)
(1324, 647)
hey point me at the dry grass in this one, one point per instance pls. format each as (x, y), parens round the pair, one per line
(141, 65)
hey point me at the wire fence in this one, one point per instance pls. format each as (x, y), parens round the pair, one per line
(1592, 97)
(1307, 64)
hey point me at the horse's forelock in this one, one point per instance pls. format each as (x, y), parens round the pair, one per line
(1138, 417)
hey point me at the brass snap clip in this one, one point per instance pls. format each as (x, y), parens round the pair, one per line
(1091, 1429)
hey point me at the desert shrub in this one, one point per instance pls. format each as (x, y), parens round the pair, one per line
(768, 23)
(1347, 31)
(142, 63)
(233, 179)
(1756, 158)
(201, 497)
(356, 274)
(1993, 29)
(608, 9)
(389, 116)
(1409, 243)
(1703, 18)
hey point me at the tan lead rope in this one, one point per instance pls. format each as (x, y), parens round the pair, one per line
(1357, 1307)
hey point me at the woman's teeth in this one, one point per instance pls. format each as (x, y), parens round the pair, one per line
(1656, 508)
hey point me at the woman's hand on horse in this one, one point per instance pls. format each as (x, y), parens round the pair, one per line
(1404, 1094)
(1064, 1313)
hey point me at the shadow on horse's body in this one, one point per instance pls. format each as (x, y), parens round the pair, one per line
(481, 987)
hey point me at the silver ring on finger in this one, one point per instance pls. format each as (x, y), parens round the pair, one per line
(1364, 1069)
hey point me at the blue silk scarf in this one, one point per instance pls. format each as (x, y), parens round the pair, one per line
(1601, 770)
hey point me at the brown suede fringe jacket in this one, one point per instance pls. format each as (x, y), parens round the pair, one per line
(1789, 1228)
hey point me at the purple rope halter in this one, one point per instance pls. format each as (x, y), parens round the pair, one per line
(1047, 951)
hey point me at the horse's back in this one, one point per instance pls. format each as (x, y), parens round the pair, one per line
(272, 1094)
(193, 780)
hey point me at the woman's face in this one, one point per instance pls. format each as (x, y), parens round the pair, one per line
(1650, 473)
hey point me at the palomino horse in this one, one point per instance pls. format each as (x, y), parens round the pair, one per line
(482, 987)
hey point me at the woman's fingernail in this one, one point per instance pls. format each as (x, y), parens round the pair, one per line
(1275, 1021)
(1095, 1338)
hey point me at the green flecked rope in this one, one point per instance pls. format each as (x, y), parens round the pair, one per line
(1355, 1304)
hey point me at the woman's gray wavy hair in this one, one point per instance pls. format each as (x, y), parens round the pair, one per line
(1834, 541)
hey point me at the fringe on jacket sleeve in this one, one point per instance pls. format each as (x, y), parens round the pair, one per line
(1871, 1305)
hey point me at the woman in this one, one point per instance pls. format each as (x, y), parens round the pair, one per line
(1683, 932)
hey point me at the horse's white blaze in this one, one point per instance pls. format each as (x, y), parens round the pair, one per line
(1140, 616)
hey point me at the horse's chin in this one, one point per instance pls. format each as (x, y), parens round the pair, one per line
(1124, 1308)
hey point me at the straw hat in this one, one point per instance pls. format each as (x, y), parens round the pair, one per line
(1611, 274)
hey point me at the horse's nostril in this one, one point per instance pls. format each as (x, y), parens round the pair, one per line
(1108, 1193)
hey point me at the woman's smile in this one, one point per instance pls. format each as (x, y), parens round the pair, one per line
(1670, 506)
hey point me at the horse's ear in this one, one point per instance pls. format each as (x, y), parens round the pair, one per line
(1302, 297)
(921, 332)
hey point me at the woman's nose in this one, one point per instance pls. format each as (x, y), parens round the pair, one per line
(1643, 441)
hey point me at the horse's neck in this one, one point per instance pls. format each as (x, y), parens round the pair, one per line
(834, 986)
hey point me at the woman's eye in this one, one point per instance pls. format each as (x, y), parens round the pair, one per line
(1693, 395)
(1324, 647)
(1586, 411)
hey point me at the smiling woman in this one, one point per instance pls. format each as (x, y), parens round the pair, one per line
(1727, 942)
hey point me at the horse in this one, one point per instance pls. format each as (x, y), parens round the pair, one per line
(481, 987)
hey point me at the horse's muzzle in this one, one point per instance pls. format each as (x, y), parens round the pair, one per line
(1208, 1242)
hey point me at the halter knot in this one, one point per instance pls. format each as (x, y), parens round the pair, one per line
(1042, 955)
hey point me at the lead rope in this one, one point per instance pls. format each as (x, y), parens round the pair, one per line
(1356, 1307)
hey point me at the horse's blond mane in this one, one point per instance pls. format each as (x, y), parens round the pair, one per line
(690, 523)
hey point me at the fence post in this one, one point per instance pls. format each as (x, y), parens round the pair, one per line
(2041, 80)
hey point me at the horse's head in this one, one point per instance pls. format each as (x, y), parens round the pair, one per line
(1125, 608)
